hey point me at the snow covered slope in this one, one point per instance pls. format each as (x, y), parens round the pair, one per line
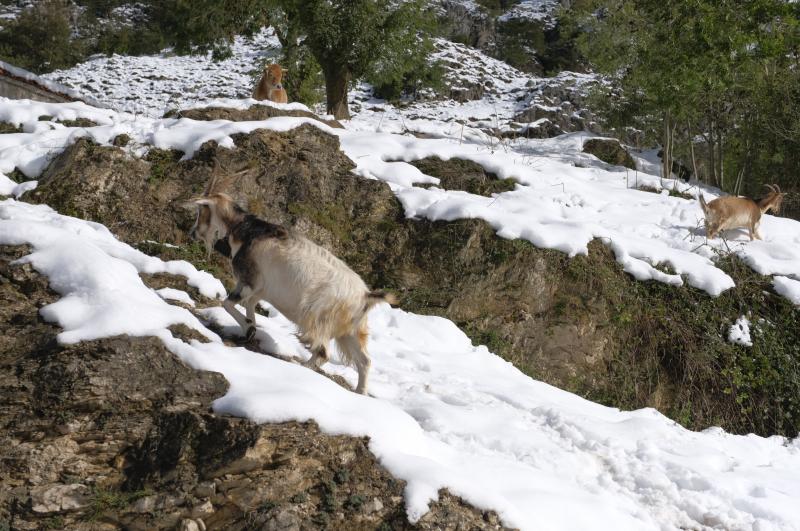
(152, 85)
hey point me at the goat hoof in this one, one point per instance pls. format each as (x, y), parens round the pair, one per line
(250, 334)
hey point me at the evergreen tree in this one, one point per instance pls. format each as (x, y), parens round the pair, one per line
(723, 71)
(348, 37)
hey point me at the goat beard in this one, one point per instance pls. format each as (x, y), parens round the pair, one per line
(210, 242)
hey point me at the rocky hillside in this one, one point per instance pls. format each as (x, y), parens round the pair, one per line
(118, 431)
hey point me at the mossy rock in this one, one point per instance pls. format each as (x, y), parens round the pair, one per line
(79, 122)
(609, 151)
(460, 174)
(7, 128)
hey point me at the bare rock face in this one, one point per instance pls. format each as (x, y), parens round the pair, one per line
(118, 434)
(461, 23)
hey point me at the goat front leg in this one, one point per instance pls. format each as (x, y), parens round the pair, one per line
(754, 231)
(247, 324)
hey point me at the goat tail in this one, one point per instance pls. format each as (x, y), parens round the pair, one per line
(703, 203)
(375, 297)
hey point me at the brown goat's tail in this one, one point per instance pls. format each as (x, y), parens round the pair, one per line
(375, 297)
(703, 203)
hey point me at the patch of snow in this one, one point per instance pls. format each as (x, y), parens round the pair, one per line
(49, 84)
(9, 187)
(73, 240)
(172, 294)
(739, 332)
(788, 287)
(444, 413)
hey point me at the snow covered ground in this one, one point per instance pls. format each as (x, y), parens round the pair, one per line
(533, 10)
(152, 85)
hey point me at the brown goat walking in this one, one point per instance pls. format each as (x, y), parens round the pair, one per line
(726, 213)
(269, 86)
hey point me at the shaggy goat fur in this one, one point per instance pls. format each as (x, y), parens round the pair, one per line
(726, 213)
(306, 283)
(269, 86)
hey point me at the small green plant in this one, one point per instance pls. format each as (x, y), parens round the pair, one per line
(300, 497)
(341, 476)
(162, 161)
(328, 498)
(354, 502)
(104, 500)
(55, 522)
(267, 506)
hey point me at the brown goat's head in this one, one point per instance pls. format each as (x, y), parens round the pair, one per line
(273, 74)
(773, 200)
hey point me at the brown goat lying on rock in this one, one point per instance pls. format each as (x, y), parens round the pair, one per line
(726, 213)
(306, 283)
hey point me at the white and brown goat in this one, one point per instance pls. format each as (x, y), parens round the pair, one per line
(726, 213)
(306, 283)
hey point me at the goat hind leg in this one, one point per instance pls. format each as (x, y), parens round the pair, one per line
(355, 349)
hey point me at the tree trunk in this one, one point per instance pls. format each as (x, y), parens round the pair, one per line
(291, 60)
(712, 160)
(691, 147)
(666, 163)
(721, 159)
(336, 81)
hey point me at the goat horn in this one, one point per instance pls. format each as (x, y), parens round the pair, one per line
(211, 187)
(222, 178)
